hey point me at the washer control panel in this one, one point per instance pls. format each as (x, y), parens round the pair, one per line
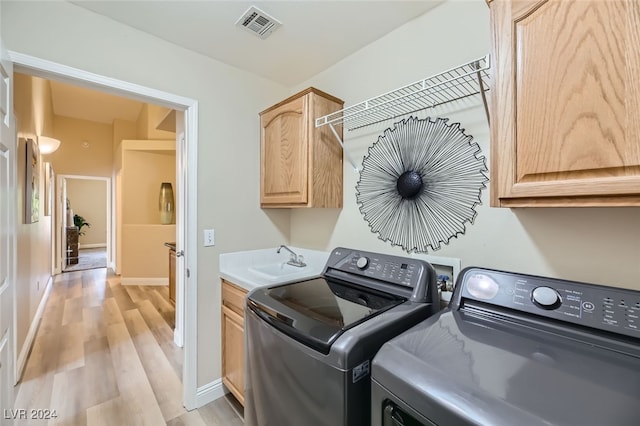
(402, 271)
(605, 308)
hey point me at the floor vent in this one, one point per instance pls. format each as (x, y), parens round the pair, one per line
(258, 22)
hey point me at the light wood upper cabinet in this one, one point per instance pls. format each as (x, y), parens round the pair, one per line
(301, 165)
(565, 103)
(233, 339)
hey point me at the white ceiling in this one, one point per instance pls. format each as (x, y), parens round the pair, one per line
(314, 35)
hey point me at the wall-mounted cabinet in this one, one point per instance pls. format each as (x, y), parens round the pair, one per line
(301, 165)
(565, 103)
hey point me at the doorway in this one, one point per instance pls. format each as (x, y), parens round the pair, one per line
(84, 223)
(186, 182)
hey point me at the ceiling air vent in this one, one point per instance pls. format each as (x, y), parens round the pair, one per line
(258, 22)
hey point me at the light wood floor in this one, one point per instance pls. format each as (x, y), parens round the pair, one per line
(104, 355)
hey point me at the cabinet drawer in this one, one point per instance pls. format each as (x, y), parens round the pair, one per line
(233, 297)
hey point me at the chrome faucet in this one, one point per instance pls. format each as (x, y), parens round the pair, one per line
(294, 258)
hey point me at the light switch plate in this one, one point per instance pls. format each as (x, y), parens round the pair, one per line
(209, 238)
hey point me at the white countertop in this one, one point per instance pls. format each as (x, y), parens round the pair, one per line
(239, 267)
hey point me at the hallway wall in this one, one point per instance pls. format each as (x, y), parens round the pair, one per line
(34, 114)
(95, 158)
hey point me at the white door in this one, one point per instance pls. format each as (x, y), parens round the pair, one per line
(7, 233)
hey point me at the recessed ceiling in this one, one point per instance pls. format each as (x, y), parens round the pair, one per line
(314, 34)
(86, 104)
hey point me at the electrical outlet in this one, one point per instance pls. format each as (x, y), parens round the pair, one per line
(209, 238)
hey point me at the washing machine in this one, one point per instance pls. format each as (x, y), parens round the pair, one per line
(309, 344)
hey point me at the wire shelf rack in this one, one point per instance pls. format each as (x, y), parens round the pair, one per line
(461, 82)
(457, 83)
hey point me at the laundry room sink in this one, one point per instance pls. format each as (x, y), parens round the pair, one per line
(276, 271)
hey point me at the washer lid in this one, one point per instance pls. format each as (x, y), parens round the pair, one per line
(460, 368)
(316, 312)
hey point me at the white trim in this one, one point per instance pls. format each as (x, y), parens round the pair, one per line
(31, 334)
(189, 274)
(144, 281)
(48, 69)
(90, 246)
(210, 392)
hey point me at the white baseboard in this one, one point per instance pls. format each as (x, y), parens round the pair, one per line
(144, 281)
(94, 245)
(209, 392)
(31, 334)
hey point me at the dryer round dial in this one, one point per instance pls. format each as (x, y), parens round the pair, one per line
(546, 297)
(362, 262)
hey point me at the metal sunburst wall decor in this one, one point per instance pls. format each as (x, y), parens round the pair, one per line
(420, 183)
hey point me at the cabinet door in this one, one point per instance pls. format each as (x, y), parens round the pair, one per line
(172, 276)
(565, 103)
(284, 149)
(233, 352)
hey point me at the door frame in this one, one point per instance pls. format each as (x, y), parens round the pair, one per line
(61, 215)
(186, 207)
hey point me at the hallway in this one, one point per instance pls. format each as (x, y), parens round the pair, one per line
(104, 355)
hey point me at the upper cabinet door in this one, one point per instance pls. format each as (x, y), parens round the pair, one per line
(565, 103)
(301, 165)
(284, 146)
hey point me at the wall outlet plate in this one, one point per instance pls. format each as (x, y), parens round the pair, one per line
(209, 238)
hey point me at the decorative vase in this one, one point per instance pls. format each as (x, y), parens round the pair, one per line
(166, 204)
(70, 221)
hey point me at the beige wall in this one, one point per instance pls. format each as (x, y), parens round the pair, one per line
(145, 165)
(600, 245)
(145, 255)
(149, 118)
(34, 113)
(88, 199)
(74, 159)
(122, 129)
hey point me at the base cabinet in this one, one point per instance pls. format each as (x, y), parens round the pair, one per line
(233, 339)
(172, 276)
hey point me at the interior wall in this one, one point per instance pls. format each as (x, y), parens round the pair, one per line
(88, 198)
(228, 135)
(598, 245)
(142, 173)
(85, 147)
(145, 165)
(145, 258)
(34, 114)
(149, 118)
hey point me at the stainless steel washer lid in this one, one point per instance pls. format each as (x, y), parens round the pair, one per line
(458, 368)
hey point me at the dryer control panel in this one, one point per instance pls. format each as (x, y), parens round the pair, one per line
(605, 308)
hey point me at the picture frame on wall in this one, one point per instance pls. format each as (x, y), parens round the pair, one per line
(32, 183)
(48, 188)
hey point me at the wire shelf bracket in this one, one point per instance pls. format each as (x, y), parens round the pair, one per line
(461, 82)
